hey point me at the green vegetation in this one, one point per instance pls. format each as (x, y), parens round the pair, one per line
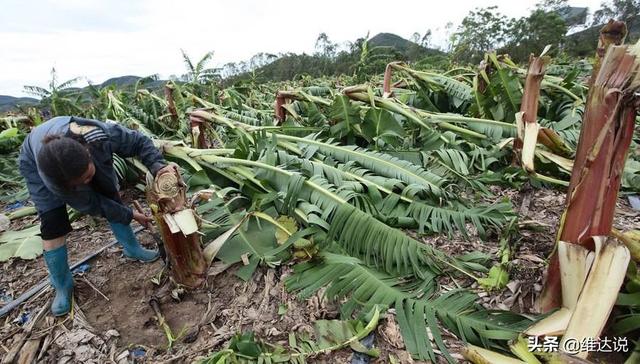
(353, 168)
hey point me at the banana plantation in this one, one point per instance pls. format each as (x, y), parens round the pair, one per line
(480, 214)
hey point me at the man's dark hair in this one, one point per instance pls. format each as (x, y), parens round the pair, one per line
(63, 159)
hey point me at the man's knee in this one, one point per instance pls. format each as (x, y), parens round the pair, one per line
(55, 223)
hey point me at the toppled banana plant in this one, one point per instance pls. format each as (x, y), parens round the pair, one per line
(631, 239)
(26, 243)
(520, 348)
(197, 133)
(478, 355)
(330, 335)
(529, 133)
(606, 134)
(178, 224)
(171, 105)
(526, 120)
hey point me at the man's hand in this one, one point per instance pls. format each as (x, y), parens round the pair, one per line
(142, 219)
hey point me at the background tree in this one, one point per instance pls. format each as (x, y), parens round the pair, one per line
(324, 46)
(58, 98)
(485, 30)
(533, 33)
(198, 75)
(418, 45)
(325, 50)
(616, 9)
(481, 31)
(261, 59)
(425, 40)
(552, 5)
(229, 69)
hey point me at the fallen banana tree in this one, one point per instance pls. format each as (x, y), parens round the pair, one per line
(407, 194)
(359, 257)
(330, 335)
(529, 132)
(527, 119)
(487, 128)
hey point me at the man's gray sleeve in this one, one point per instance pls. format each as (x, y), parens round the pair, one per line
(89, 202)
(130, 143)
(44, 199)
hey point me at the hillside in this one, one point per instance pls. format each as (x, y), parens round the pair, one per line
(402, 45)
(290, 65)
(8, 103)
(150, 82)
(121, 81)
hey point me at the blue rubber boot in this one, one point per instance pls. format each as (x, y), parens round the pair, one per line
(131, 247)
(61, 279)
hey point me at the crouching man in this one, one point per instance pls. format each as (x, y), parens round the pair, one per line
(68, 161)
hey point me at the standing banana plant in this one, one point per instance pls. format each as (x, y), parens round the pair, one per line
(527, 120)
(59, 96)
(178, 225)
(606, 134)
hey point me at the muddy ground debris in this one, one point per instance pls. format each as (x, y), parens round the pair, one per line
(114, 321)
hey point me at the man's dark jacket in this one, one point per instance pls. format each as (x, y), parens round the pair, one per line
(100, 198)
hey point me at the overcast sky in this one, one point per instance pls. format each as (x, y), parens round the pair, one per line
(102, 39)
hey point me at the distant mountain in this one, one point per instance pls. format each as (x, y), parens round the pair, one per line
(402, 45)
(8, 103)
(121, 81)
(151, 82)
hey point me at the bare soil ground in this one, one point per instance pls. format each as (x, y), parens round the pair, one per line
(113, 320)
